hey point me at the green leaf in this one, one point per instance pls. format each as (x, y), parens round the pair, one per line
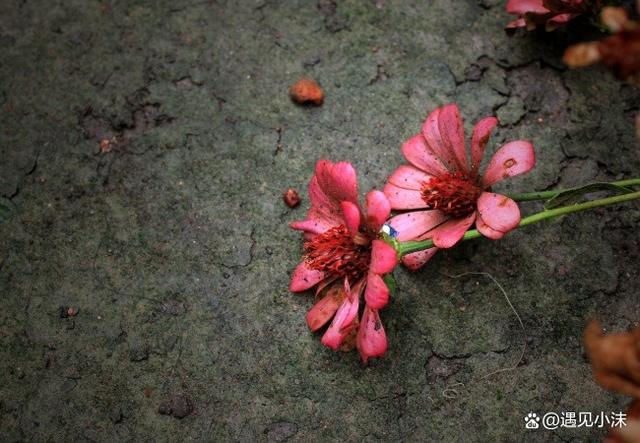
(390, 281)
(571, 196)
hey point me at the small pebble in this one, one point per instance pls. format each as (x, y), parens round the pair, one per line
(105, 146)
(306, 91)
(291, 198)
(138, 352)
(67, 311)
(116, 414)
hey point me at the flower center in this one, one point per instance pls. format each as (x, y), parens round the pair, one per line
(453, 194)
(336, 253)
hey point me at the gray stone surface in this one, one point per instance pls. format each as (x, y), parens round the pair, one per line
(174, 247)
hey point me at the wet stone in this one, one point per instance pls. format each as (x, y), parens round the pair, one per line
(115, 414)
(69, 384)
(512, 111)
(473, 73)
(178, 406)
(138, 352)
(280, 431)
(173, 307)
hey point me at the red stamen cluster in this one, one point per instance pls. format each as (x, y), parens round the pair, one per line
(453, 194)
(335, 253)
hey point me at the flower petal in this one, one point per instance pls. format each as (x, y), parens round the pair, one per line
(408, 177)
(449, 233)
(330, 185)
(523, 6)
(324, 209)
(433, 137)
(317, 226)
(498, 212)
(343, 322)
(485, 230)
(372, 340)
(420, 155)
(383, 257)
(376, 294)
(351, 213)
(512, 159)
(337, 180)
(325, 308)
(511, 26)
(401, 198)
(303, 278)
(416, 260)
(412, 225)
(378, 209)
(452, 133)
(554, 22)
(481, 134)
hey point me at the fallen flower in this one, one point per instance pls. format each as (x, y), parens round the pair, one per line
(344, 259)
(631, 432)
(307, 91)
(615, 358)
(619, 52)
(448, 193)
(550, 13)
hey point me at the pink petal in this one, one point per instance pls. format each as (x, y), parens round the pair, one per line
(383, 257)
(559, 20)
(378, 209)
(324, 283)
(330, 185)
(408, 177)
(343, 322)
(371, 340)
(521, 7)
(401, 198)
(449, 233)
(519, 23)
(452, 132)
(324, 309)
(376, 294)
(418, 153)
(303, 278)
(317, 226)
(338, 180)
(351, 213)
(324, 209)
(479, 139)
(485, 230)
(512, 159)
(498, 212)
(412, 225)
(416, 260)
(433, 137)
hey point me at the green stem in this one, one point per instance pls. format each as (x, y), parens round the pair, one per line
(546, 195)
(408, 247)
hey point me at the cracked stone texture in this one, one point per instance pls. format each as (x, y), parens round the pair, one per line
(173, 244)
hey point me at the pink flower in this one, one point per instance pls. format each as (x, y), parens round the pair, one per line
(551, 13)
(448, 192)
(344, 259)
